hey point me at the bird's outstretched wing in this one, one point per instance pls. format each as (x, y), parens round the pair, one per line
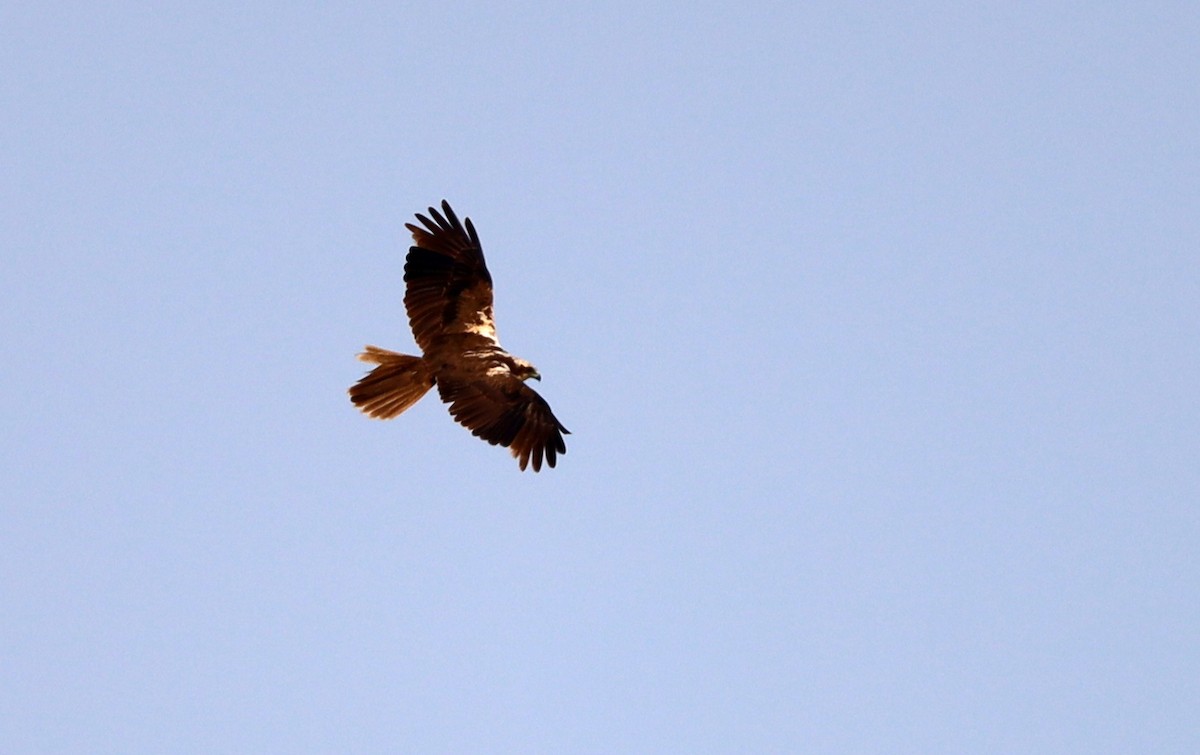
(449, 289)
(504, 411)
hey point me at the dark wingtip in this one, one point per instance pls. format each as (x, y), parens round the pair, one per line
(441, 221)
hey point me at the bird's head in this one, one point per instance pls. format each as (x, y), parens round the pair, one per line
(524, 370)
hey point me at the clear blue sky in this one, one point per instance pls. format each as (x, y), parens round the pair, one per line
(877, 327)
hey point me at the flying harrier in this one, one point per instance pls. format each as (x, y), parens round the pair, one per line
(449, 303)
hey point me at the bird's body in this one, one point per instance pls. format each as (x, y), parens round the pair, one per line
(449, 301)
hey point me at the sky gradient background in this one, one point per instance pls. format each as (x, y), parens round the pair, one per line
(877, 327)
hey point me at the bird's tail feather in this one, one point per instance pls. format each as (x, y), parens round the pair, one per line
(397, 383)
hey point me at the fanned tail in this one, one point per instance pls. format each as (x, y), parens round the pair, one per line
(397, 383)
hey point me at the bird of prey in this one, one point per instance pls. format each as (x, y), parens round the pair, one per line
(449, 303)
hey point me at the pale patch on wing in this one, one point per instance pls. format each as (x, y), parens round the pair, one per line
(480, 323)
(485, 329)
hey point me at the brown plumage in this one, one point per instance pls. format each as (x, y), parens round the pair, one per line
(449, 303)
